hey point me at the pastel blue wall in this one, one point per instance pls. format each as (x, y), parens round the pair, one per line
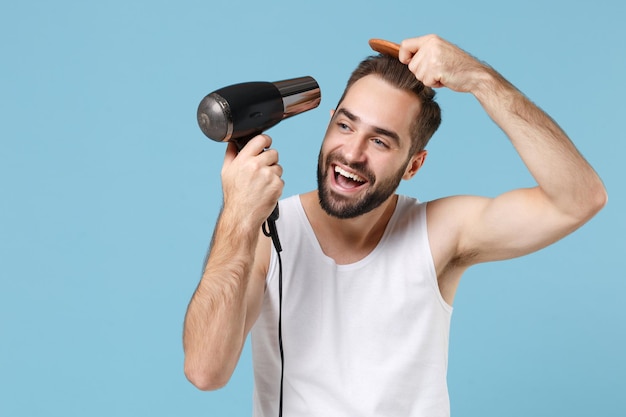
(109, 192)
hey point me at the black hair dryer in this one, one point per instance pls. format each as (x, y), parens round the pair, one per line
(241, 111)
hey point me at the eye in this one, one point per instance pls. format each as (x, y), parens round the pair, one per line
(343, 127)
(380, 142)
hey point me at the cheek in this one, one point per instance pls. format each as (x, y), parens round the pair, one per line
(331, 139)
(330, 144)
(322, 158)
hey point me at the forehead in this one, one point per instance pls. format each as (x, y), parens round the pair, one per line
(377, 103)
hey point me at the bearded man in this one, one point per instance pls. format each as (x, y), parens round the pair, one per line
(367, 276)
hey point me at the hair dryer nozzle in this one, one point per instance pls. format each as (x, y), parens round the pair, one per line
(299, 95)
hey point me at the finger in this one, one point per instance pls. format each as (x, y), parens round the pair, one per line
(420, 69)
(256, 145)
(278, 170)
(410, 47)
(269, 157)
(414, 66)
(406, 52)
(425, 71)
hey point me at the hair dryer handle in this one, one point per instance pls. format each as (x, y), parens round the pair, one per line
(271, 229)
(243, 141)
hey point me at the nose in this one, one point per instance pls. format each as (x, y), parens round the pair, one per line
(354, 148)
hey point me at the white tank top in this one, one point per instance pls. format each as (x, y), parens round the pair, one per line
(364, 339)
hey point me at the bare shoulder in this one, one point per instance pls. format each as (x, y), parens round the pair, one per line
(447, 218)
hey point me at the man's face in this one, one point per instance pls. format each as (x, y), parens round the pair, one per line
(365, 152)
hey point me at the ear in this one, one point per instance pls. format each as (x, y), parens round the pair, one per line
(332, 113)
(415, 163)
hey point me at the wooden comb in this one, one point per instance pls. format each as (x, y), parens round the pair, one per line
(385, 47)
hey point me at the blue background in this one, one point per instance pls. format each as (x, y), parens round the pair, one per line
(109, 193)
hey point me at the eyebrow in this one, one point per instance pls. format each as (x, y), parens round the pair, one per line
(379, 130)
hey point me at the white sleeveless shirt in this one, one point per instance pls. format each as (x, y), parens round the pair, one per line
(364, 339)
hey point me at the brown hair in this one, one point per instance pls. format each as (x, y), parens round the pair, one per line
(398, 75)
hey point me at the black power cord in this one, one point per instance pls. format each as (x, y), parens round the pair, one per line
(270, 231)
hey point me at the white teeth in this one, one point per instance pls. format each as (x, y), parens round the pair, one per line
(347, 174)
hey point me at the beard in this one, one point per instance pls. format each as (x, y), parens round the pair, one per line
(343, 207)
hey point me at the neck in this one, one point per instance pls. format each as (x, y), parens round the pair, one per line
(347, 240)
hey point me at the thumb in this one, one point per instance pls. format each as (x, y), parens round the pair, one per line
(409, 48)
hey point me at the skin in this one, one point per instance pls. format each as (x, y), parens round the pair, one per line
(369, 137)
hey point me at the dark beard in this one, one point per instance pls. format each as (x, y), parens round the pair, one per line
(344, 207)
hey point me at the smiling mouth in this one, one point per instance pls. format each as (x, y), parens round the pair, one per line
(348, 180)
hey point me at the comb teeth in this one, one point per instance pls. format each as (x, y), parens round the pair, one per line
(385, 47)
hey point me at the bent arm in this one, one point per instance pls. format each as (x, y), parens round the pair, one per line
(568, 191)
(228, 298)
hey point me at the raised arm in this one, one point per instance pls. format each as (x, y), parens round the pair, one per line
(228, 298)
(568, 191)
